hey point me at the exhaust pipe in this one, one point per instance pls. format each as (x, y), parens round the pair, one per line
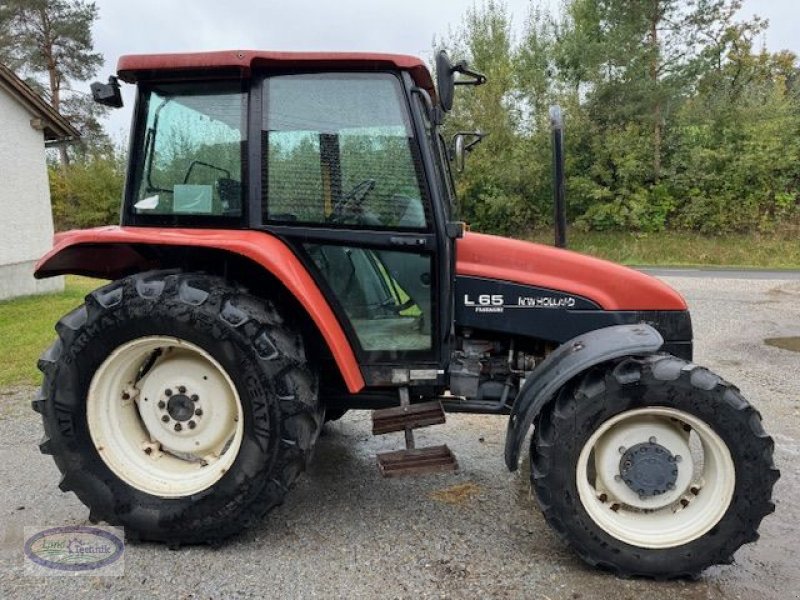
(559, 188)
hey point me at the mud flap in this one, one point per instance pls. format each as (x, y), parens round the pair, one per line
(564, 363)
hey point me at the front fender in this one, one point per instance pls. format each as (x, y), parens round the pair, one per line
(112, 252)
(564, 363)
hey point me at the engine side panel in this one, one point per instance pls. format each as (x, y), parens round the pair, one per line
(610, 286)
(556, 316)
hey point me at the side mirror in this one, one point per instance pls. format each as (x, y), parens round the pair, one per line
(463, 143)
(446, 78)
(107, 94)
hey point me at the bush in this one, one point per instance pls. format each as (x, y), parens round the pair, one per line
(88, 193)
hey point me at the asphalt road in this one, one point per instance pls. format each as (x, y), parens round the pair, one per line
(721, 273)
(346, 532)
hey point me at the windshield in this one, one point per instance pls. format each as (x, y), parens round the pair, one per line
(192, 143)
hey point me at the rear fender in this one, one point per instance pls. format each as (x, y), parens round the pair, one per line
(565, 362)
(113, 252)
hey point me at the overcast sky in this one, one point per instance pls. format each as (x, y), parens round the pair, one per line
(400, 26)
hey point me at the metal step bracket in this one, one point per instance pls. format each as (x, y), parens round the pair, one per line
(406, 418)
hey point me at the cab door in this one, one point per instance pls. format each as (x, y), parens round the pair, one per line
(345, 182)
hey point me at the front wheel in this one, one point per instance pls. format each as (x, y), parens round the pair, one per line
(653, 467)
(177, 406)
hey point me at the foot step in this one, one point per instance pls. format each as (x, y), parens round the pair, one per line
(417, 461)
(412, 416)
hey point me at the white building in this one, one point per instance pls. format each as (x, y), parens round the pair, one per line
(26, 222)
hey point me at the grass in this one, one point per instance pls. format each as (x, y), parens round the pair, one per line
(26, 324)
(27, 328)
(766, 251)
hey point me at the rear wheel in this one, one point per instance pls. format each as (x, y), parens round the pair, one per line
(653, 467)
(177, 406)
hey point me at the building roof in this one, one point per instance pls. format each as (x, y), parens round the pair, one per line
(55, 126)
(131, 68)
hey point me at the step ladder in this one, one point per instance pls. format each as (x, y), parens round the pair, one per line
(408, 417)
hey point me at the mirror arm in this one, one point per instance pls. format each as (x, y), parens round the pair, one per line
(477, 78)
(478, 135)
(459, 150)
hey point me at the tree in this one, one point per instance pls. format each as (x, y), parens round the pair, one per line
(52, 39)
(674, 118)
(496, 189)
(639, 58)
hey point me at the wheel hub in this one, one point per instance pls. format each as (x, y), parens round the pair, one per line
(180, 407)
(187, 407)
(649, 469)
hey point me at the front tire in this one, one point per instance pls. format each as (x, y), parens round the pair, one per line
(652, 467)
(177, 406)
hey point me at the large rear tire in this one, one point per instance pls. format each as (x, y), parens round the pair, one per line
(653, 467)
(177, 406)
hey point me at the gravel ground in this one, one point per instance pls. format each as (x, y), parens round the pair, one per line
(346, 532)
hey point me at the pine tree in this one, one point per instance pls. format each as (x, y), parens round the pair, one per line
(51, 40)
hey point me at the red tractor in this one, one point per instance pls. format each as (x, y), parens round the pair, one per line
(289, 251)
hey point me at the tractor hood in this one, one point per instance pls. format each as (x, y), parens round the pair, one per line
(611, 286)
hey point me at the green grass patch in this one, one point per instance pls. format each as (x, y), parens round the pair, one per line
(765, 251)
(27, 328)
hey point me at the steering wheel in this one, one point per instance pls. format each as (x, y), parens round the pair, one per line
(351, 202)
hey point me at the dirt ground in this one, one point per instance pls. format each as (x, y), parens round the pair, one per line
(346, 532)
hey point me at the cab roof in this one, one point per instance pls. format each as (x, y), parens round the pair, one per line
(135, 67)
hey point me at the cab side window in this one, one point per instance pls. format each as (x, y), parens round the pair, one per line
(340, 151)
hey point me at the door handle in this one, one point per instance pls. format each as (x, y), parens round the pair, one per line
(417, 242)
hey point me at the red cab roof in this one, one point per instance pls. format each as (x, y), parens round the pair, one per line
(133, 67)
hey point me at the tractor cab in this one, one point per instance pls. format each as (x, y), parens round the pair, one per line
(338, 155)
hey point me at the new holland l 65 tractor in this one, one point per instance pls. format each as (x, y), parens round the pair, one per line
(289, 250)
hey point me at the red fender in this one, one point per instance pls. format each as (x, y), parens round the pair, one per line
(73, 253)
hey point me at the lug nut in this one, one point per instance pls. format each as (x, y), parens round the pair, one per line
(678, 458)
(178, 426)
(165, 418)
(192, 424)
(617, 477)
(199, 412)
(182, 389)
(195, 397)
(168, 392)
(162, 404)
(670, 486)
(622, 449)
(652, 440)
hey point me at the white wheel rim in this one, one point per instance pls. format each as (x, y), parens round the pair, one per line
(174, 431)
(703, 487)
